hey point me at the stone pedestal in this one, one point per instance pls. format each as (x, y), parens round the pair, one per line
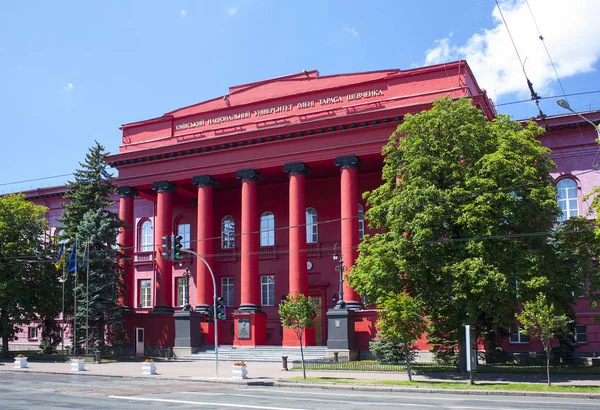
(250, 329)
(188, 337)
(340, 335)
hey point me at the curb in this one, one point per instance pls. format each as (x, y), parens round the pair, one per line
(329, 386)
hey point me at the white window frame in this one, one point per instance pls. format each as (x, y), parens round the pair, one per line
(566, 190)
(146, 293)
(267, 229)
(267, 290)
(181, 291)
(520, 337)
(146, 236)
(33, 332)
(312, 227)
(580, 335)
(184, 230)
(228, 232)
(228, 291)
(361, 222)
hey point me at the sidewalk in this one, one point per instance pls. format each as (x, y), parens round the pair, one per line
(272, 373)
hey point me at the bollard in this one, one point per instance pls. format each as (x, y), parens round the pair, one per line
(284, 363)
(335, 357)
(97, 357)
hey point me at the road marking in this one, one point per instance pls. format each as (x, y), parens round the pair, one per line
(245, 406)
(583, 400)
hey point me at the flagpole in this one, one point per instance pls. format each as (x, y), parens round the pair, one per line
(75, 304)
(62, 329)
(86, 258)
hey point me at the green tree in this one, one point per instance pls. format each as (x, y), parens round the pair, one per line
(401, 321)
(461, 217)
(297, 312)
(540, 320)
(28, 280)
(100, 314)
(88, 222)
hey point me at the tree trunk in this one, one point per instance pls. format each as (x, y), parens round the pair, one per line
(462, 352)
(547, 350)
(407, 356)
(4, 326)
(302, 355)
(5, 347)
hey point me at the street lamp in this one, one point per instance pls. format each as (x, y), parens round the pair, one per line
(564, 104)
(186, 302)
(341, 269)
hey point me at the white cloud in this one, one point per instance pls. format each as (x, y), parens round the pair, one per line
(350, 30)
(69, 87)
(183, 13)
(570, 31)
(231, 11)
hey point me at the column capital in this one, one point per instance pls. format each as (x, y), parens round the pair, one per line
(248, 175)
(204, 180)
(349, 161)
(163, 186)
(127, 191)
(296, 168)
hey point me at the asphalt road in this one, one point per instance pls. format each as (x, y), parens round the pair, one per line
(60, 391)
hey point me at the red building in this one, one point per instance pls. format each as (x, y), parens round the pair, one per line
(266, 183)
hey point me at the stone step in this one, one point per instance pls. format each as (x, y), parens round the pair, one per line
(258, 354)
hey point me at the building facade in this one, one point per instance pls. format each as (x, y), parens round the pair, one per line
(266, 183)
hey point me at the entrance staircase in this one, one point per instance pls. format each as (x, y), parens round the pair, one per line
(258, 353)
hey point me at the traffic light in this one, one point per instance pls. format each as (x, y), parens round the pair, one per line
(176, 247)
(220, 315)
(209, 314)
(167, 251)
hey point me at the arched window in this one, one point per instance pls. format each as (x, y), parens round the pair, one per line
(146, 234)
(361, 222)
(267, 229)
(567, 199)
(183, 230)
(312, 229)
(228, 232)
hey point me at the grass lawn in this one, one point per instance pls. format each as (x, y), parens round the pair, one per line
(455, 385)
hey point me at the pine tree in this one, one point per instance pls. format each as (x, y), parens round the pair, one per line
(88, 222)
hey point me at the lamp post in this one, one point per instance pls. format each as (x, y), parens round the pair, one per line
(341, 269)
(186, 300)
(564, 104)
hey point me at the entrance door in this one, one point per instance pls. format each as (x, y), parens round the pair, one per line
(139, 341)
(318, 320)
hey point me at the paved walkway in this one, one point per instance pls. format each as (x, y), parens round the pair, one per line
(272, 372)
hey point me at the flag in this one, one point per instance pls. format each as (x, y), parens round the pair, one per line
(73, 259)
(86, 256)
(61, 256)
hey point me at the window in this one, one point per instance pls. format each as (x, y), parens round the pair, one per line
(183, 230)
(517, 337)
(361, 223)
(146, 235)
(227, 291)
(267, 287)
(145, 293)
(312, 230)
(267, 229)
(581, 334)
(228, 233)
(33, 332)
(567, 199)
(181, 291)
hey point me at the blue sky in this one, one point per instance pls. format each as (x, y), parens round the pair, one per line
(72, 72)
